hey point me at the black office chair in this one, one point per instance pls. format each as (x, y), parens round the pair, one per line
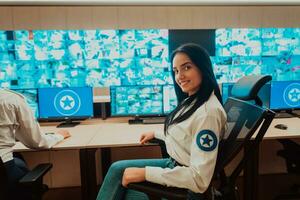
(244, 119)
(290, 152)
(248, 87)
(31, 182)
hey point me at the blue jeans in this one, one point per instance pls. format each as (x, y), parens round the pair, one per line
(112, 188)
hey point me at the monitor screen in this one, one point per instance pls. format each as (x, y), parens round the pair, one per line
(31, 99)
(136, 100)
(65, 103)
(170, 100)
(263, 94)
(226, 91)
(285, 95)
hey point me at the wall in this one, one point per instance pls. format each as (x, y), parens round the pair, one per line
(142, 17)
(123, 17)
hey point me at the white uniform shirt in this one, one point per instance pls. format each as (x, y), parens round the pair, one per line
(18, 123)
(194, 144)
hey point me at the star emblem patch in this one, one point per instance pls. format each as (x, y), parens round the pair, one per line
(206, 140)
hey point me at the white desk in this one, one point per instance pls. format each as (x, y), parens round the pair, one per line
(293, 130)
(120, 134)
(81, 135)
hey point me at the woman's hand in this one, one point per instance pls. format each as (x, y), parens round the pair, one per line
(65, 133)
(145, 137)
(133, 175)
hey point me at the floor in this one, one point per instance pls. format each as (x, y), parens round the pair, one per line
(269, 187)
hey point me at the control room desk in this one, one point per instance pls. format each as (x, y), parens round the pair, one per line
(98, 134)
(112, 135)
(122, 134)
(81, 135)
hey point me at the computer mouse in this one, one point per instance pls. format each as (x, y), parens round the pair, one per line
(281, 126)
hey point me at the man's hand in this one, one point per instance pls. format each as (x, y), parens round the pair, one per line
(133, 175)
(65, 133)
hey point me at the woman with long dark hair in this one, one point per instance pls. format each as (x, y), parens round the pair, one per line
(192, 133)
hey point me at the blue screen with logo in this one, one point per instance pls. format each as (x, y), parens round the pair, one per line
(285, 95)
(75, 102)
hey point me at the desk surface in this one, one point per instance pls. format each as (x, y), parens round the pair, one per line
(293, 130)
(81, 135)
(114, 132)
(120, 134)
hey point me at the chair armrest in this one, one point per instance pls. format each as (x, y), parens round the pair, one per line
(156, 141)
(36, 174)
(157, 190)
(162, 146)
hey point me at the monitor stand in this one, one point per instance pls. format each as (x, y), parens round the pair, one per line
(287, 114)
(147, 120)
(136, 120)
(67, 123)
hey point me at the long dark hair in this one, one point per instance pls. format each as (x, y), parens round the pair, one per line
(200, 58)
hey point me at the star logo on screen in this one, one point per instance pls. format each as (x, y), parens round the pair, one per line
(206, 140)
(67, 102)
(291, 95)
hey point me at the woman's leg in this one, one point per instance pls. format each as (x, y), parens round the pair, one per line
(112, 188)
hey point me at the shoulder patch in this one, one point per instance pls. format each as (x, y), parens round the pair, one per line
(206, 140)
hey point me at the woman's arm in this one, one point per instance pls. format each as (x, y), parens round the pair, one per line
(204, 149)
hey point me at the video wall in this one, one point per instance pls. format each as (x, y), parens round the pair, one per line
(273, 51)
(75, 58)
(31, 59)
(102, 58)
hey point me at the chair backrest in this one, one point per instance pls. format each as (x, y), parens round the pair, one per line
(244, 120)
(247, 88)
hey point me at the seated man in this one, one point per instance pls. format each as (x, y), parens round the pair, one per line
(18, 123)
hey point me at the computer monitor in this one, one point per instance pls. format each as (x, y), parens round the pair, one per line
(169, 99)
(136, 100)
(65, 103)
(285, 95)
(263, 94)
(226, 91)
(31, 99)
